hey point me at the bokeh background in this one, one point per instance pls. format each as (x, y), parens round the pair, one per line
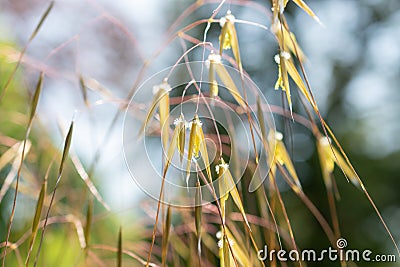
(353, 64)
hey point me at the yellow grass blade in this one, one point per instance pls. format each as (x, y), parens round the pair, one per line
(160, 90)
(225, 258)
(171, 149)
(204, 153)
(224, 39)
(227, 80)
(307, 9)
(283, 78)
(164, 115)
(240, 255)
(326, 162)
(180, 123)
(228, 38)
(234, 44)
(287, 41)
(282, 157)
(299, 82)
(211, 78)
(194, 143)
(285, 158)
(260, 117)
(228, 185)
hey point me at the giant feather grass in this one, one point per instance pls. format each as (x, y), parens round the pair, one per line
(242, 228)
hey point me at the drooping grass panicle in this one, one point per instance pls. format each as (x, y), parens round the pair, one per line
(160, 97)
(160, 100)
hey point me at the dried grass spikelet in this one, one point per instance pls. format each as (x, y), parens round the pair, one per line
(283, 78)
(287, 40)
(307, 9)
(329, 156)
(227, 245)
(278, 7)
(180, 126)
(160, 99)
(294, 74)
(211, 61)
(216, 66)
(197, 147)
(228, 37)
(173, 145)
(228, 185)
(282, 158)
(287, 69)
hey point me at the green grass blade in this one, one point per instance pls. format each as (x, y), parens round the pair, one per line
(167, 228)
(67, 145)
(36, 218)
(35, 101)
(89, 219)
(119, 252)
(42, 19)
